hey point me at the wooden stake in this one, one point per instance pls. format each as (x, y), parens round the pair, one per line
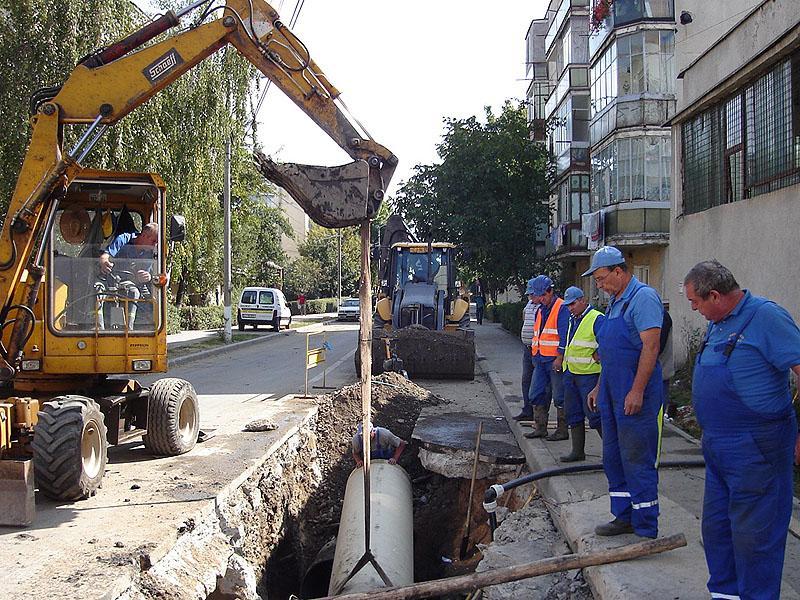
(465, 538)
(556, 564)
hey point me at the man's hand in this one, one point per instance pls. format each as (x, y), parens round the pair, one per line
(359, 463)
(105, 264)
(392, 461)
(591, 399)
(558, 362)
(633, 402)
(143, 276)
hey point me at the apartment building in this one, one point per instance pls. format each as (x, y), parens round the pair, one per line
(298, 220)
(632, 77)
(737, 140)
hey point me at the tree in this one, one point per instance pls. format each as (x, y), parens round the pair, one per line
(488, 195)
(315, 273)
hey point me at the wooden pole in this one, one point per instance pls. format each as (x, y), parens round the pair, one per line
(465, 538)
(556, 564)
(365, 351)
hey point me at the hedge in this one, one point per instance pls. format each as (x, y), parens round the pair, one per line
(508, 314)
(315, 307)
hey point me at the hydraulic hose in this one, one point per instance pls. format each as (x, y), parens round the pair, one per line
(494, 492)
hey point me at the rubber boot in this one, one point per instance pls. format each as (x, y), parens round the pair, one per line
(540, 423)
(578, 436)
(561, 432)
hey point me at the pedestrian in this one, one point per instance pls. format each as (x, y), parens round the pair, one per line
(479, 297)
(547, 348)
(581, 370)
(383, 445)
(301, 302)
(667, 361)
(741, 396)
(526, 334)
(629, 395)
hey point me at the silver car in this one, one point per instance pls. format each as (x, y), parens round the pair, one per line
(349, 310)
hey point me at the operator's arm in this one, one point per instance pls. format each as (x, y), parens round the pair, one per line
(111, 251)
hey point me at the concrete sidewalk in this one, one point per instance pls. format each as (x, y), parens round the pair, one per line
(579, 502)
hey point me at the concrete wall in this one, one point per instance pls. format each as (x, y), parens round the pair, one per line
(754, 238)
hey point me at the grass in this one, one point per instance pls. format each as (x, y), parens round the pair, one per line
(211, 342)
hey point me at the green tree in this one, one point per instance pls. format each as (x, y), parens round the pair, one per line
(488, 195)
(316, 273)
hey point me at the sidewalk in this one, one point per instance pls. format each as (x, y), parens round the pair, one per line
(579, 502)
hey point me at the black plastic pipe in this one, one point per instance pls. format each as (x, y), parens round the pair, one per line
(497, 490)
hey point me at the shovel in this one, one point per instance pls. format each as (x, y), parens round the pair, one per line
(465, 539)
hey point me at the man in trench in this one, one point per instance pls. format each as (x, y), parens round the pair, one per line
(383, 444)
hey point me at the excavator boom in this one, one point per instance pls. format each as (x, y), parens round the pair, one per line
(112, 82)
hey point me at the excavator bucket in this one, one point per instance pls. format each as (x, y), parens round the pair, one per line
(332, 196)
(426, 354)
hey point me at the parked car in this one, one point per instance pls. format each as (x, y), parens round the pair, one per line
(263, 306)
(349, 309)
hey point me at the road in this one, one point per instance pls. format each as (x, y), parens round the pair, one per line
(268, 370)
(81, 549)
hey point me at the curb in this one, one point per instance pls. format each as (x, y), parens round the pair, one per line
(180, 360)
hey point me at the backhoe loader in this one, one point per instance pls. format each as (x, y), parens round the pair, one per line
(72, 326)
(421, 322)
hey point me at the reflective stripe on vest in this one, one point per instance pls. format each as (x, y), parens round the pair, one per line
(546, 342)
(578, 354)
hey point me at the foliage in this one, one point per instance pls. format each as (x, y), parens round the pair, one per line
(256, 231)
(202, 317)
(315, 273)
(508, 314)
(315, 307)
(180, 133)
(488, 195)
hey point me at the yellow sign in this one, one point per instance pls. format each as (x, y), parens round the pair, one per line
(315, 357)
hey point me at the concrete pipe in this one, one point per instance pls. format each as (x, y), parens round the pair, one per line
(391, 525)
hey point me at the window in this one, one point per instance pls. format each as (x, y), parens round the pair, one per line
(628, 11)
(642, 273)
(265, 297)
(641, 62)
(632, 169)
(747, 145)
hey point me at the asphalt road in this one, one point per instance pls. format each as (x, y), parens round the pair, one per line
(240, 381)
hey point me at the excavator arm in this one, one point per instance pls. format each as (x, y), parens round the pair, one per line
(112, 82)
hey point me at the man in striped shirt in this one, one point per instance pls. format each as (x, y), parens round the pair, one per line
(526, 334)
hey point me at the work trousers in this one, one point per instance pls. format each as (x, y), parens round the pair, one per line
(576, 395)
(545, 384)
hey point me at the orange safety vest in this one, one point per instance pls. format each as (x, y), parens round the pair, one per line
(546, 342)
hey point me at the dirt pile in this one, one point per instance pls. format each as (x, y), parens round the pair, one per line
(431, 354)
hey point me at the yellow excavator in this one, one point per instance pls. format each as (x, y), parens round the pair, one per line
(421, 323)
(83, 252)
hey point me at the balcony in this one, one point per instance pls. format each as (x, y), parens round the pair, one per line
(629, 226)
(572, 244)
(628, 12)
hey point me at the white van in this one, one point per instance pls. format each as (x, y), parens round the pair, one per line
(263, 306)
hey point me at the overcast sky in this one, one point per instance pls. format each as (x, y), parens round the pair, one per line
(402, 66)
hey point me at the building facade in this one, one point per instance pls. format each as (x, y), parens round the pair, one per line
(298, 220)
(737, 145)
(632, 78)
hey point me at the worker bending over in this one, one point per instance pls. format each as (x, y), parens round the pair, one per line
(383, 444)
(740, 392)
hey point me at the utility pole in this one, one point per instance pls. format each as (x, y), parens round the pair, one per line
(339, 297)
(226, 253)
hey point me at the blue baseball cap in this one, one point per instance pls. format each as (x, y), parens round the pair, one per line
(607, 256)
(572, 294)
(539, 285)
(529, 288)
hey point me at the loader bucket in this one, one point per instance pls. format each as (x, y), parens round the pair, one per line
(331, 196)
(17, 499)
(428, 354)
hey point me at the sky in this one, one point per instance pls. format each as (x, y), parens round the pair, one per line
(402, 67)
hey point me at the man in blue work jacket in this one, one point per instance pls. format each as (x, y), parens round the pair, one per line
(629, 395)
(547, 349)
(581, 370)
(741, 396)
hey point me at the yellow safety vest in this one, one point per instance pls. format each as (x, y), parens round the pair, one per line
(578, 354)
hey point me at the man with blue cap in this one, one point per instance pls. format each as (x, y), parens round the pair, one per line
(547, 349)
(581, 370)
(526, 335)
(629, 395)
(742, 399)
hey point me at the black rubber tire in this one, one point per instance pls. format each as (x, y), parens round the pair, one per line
(169, 432)
(70, 448)
(276, 322)
(289, 324)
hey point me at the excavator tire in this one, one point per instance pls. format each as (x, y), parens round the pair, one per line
(427, 354)
(70, 448)
(173, 417)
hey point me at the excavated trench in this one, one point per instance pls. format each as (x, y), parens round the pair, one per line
(271, 535)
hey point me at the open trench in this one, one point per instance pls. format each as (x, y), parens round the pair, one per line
(272, 535)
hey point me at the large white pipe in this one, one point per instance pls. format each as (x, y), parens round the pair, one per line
(391, 530)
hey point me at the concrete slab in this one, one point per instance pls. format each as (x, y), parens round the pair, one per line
(579, 502)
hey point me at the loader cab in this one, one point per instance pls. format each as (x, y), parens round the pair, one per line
(412, 265)
(96, 320)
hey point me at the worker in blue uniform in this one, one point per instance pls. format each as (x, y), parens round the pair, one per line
(629, 395)
(742, 400)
